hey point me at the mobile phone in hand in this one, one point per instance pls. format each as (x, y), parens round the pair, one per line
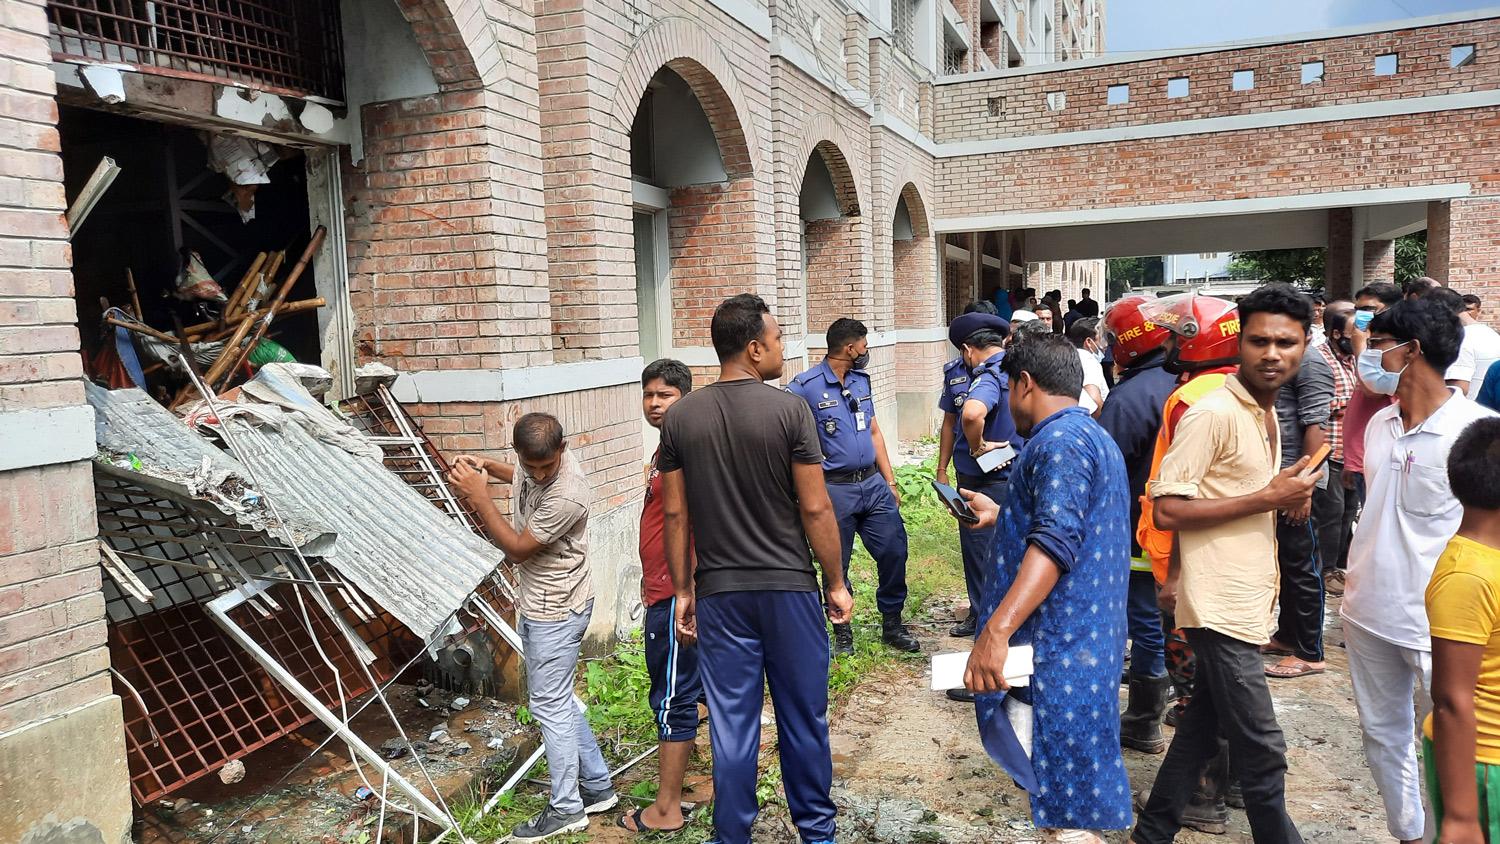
(955, 503)
(996, 458)
(1319, 458)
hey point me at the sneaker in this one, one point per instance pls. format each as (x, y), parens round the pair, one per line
(595, 802)
(549, 824)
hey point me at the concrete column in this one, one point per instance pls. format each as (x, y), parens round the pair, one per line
(1379, 260)
(1338, 263)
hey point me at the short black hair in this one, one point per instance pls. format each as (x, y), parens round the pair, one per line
(1388, 293)
(1085, 291)
(982, 306)
(673, 373)
(1083, 330)
(1029, 328)
(1471, 300)
(1317, 298)
(537, 436)
(1072, 303)
(1051, 361)
(1420, 285)
(1474, 465)
(1428, 322)
(1447, 297)
(1337, 319)
(1277, 298)
(845, 331)
(737, 321)
(984, 338)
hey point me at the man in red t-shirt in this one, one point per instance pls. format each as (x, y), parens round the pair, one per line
(671, 661)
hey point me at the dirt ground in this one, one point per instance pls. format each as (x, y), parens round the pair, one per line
(908, 766)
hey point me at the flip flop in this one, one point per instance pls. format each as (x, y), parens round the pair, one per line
(640, 824)
(1295, 668)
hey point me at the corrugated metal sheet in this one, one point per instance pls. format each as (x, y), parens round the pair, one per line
(386, 538)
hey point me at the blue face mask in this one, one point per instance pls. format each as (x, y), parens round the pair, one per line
(1374, 374)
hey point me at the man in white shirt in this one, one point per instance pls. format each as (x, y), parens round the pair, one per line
(1084, 334)
(1479, 349)
(1409, 515)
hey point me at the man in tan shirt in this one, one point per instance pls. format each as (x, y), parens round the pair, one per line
(1218, 488)
(547, 539)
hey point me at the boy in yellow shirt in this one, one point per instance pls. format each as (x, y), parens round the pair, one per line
(1461, 746)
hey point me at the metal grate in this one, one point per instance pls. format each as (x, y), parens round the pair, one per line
(953, 57)
(904, 25)
(281, 46)
(193, 699)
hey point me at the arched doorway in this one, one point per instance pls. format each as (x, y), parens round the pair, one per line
(913, 263)
(829, 215)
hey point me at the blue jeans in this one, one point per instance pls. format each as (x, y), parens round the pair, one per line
(869, 508)
(1148, 645)
(977, 544)
(551, 656)
(746, 641)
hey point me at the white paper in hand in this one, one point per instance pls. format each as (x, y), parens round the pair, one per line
(948, 669)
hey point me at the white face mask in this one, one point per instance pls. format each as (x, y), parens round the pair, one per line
(1373, 373)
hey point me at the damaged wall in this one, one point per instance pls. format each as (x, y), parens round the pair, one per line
(61, 746)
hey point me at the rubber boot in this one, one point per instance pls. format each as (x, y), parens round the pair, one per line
(843, 639)
(1140, 725)
(895, 634)
(1209, 812)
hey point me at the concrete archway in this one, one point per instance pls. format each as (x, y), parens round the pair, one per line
(913, 264)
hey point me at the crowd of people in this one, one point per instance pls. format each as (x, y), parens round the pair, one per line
(1190, 474)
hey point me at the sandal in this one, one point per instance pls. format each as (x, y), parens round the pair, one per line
(1295, 668)
(637, 818)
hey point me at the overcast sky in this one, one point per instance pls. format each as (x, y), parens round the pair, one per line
(1163, 24)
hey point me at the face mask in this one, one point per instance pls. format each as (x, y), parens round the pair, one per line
(1377, 377)
(1345, 346)
(1099, 355)
(862, 361)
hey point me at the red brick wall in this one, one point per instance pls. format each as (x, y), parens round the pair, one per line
(52, 655)
(962, 108)
(1473, 253)
(712, 256)
(1379, 261)
(1411, 150)
(837, 286)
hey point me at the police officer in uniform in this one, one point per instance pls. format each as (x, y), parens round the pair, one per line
(858, 471)
(976, 411)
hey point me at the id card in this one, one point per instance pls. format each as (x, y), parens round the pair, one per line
(859, 421)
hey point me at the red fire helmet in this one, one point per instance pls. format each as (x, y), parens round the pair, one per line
(1207, 329)
(1129, 332)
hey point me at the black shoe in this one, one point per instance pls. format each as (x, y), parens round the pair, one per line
(549, 824)
(961, 695)
(843, 639)
(1210, 817)
(1140, 725)
(595, 802)
(1236, 797)
(895, 634)
(965, 629)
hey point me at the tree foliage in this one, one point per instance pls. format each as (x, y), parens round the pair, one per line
(1289, 265)
(1411, 257)
(1125, 273)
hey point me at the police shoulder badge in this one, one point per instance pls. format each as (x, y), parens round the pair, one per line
(831, 426)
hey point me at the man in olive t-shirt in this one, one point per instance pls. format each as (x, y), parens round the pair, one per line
(742, 474)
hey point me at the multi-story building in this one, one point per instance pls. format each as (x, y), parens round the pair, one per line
(525, 201)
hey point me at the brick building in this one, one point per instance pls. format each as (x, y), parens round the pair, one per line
(525, 201)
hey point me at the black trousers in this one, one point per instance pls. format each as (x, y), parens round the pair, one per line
(1300, 626)
(1334, 510)
(1231, 699)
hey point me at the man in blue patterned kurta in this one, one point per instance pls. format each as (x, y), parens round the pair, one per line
(1061, 566)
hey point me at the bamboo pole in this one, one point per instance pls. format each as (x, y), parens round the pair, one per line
(243, 290)
(242, 346)
(210, 330)
(141, 328)
(135, 296)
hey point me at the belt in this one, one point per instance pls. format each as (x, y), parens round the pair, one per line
(853, 477)
(969, 481)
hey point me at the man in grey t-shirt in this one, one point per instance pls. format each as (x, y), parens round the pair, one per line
(547, 539)
(741, 472)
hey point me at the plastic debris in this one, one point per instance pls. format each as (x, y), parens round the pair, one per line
(364, 792)
(459, 703)
(438, 735)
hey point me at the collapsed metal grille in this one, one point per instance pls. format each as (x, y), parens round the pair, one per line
(415, 460)
(282, 46)
(193, 699)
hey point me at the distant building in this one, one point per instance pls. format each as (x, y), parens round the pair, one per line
(1201, 268)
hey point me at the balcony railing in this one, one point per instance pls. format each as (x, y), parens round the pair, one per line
(281, 46)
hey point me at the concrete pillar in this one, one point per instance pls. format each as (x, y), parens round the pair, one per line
(1338, 263)
(1379, 261)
